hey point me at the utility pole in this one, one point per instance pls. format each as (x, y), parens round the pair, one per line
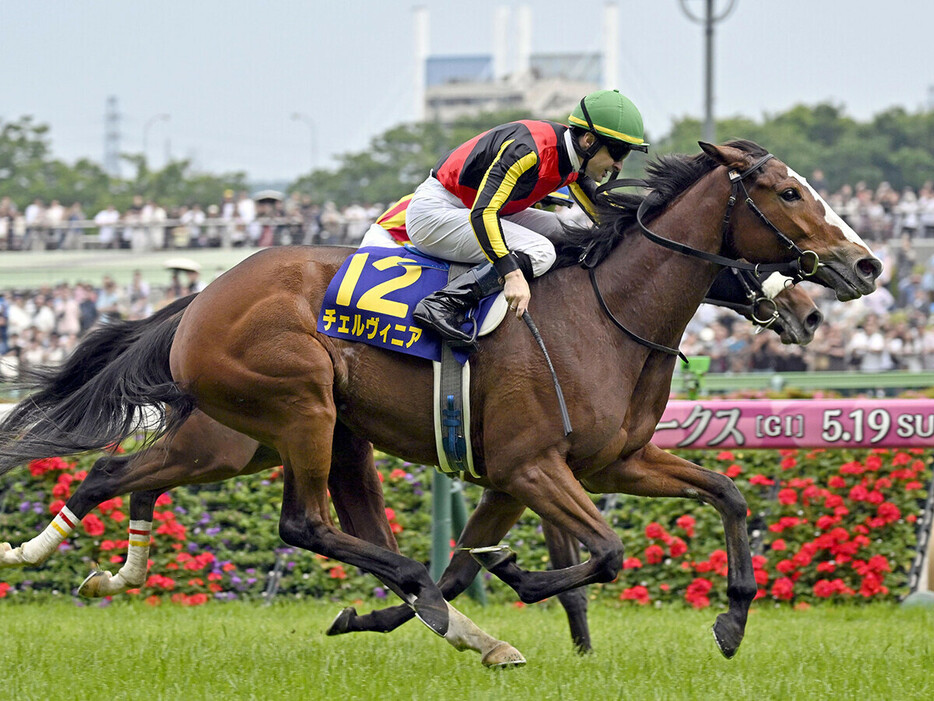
(709, 20)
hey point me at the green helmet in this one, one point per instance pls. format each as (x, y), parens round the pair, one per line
(610, 115)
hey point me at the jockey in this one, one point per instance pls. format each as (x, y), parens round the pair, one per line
(475, 204)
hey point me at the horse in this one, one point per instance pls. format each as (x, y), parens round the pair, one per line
(246, 352)
(204, 451)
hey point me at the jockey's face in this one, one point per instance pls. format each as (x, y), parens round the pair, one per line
(602, 165)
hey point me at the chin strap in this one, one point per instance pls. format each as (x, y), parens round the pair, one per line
(589, 153)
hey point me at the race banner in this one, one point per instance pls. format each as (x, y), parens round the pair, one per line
(811, 423)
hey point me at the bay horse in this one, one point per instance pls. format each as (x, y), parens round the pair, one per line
(204, 451)
(246, 352)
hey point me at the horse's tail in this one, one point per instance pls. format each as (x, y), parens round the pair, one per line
(98, 396)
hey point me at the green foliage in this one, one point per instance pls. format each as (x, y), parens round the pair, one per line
(824, 525)
(28, 171)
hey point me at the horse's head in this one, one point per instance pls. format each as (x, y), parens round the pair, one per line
(789, 217)
(797, 317)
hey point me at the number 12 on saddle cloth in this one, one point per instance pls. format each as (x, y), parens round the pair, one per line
(372, 296)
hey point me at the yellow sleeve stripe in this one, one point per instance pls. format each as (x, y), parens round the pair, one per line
(491, 211)
(583, 201)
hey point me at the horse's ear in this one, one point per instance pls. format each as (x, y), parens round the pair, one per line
(725, 155)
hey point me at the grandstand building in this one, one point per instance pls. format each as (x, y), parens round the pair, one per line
(543, 85)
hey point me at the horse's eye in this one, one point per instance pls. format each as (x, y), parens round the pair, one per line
(790, 195)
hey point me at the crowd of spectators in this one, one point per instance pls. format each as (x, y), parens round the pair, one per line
(891, 329)
(264, 219)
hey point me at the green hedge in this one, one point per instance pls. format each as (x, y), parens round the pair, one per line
(824, 525)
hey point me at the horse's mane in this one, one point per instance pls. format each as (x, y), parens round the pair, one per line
(667, 177)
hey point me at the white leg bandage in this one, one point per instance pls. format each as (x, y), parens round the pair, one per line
(134, 570)
(40, 548)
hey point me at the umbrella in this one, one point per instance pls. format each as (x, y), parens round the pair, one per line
(186, 264)
(268, 195)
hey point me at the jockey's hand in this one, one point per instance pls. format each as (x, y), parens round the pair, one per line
(517, 292)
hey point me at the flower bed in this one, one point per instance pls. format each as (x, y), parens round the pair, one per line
(835, 526)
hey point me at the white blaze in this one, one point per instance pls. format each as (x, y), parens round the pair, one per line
(830, 216)
(774, 283)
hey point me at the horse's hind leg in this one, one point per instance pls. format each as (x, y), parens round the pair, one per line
(652, 472)
(486, 526)
(304, 442)
(564, 551)
(98, 486)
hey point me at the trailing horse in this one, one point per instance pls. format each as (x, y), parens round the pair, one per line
(247, 352)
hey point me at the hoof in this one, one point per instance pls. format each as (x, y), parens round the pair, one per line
(341, 624)
(91, 586)
(493, 557)
(728, 635)
(503, 655)
(432, 610)
(8, 557)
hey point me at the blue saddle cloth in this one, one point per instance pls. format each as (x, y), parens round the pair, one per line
(372, 296)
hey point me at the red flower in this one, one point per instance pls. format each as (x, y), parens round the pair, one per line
(632, 563)
(779, 544)
(826, 567)
(873, 463)
(654, 554)
(390, 514)
(911, 486)
(696, 593)
(639, 594)
(783, 589)
(872, 585)
(93, 526)
(337, 572)
(654, 531)
(725, 455)
(859, 493)
(785, 566)
(397, 474)
(825, 523)
(56, 506)
(762, 577)
(195, 599)
(686, 523)
(787, 496)
(677, 548)
(888, 512)
(836, 482)
(788, 463)
(153, 600)
(761, 480)
(164, 499)
(4, 588)
(733, 471)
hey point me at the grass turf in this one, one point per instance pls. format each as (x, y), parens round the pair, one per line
(241, 651)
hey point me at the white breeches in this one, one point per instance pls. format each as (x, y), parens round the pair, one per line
(439, 224)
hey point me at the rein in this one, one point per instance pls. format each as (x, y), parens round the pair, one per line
(805, 265)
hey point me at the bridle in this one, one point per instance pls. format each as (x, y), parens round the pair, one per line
(803, 266)
(759, 307)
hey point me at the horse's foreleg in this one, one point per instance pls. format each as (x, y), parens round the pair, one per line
(565, 552)
(547, 485)
(652, 472)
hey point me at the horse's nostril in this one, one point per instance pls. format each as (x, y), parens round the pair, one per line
(869, 268)
(813, 320)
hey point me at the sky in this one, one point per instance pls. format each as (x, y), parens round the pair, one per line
(230, 74)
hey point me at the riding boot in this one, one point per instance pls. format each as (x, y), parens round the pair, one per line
(445, 310)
